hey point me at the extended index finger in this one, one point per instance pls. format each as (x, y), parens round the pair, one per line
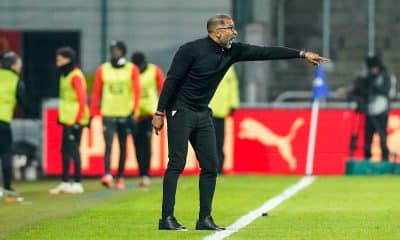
(324, 59)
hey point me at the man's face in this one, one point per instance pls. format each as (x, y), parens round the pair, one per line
(374, 70)
(226, 33)
(61, 60)
(17, 66)
(116, 53)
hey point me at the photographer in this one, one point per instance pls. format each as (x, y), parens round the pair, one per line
(372, 96)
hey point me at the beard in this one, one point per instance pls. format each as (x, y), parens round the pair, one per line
(227, 43)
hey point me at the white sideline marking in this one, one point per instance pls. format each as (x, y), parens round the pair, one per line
(267, 206)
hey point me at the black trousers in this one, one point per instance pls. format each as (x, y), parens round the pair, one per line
(142, 136)
(219, 125)
(5, 154)
(71, 140)
(197, 127)
(377, 124)
(120, 126)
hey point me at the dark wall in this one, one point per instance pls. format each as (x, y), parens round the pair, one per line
(40, 73)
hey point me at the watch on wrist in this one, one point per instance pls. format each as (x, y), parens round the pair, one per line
(160, 114)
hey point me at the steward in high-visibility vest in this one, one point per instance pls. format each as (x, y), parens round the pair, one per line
(73, 108)
(8, 94)
(73, 115)
(226, 98)
(223, 103)
(116, 95)
(151, 82)
(11, 92)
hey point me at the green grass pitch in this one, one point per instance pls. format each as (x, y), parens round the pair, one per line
(331, 208)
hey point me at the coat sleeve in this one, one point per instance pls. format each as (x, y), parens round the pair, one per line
(235, 100)
(96, 93)
(81, 96)
(247, 52)
(179, 68)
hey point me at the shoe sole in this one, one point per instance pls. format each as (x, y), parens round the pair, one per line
(178, 230)
(209, 229)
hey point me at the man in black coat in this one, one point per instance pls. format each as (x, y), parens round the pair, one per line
(193, 77)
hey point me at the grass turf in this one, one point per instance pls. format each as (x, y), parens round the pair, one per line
(331, 208)
(132, 214)
(335, 208)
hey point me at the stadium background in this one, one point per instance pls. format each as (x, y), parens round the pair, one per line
(345, 31)
(275, 102)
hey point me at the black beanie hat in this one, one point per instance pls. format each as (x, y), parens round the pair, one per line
(374, 61)
(67, 52)
(120, 45)
(8, 58)
(138, 58)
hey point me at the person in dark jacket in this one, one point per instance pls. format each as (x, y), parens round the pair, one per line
(375, 92)
(12, 91)
(195, 72)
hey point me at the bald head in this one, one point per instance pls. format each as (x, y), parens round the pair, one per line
(215, 21)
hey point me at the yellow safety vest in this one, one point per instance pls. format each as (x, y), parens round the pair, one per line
(117, 94)
(69, 103)
(8, 94)
(149, 92)
(226, 97)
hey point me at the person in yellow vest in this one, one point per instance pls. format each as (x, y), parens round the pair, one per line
(73, 115)
(11, 92)
(117, 88)
(151, 82)
(224, 102)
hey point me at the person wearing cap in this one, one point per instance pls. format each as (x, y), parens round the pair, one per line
(12, 91)
(375, 92)
(224, 102)
(73, 115)
(115, 96)
(151, 82)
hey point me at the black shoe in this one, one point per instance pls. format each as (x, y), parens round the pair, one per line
(207, 223)
(170, 223)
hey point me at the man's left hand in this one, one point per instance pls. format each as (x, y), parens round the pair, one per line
(315, 58)
(158, 123)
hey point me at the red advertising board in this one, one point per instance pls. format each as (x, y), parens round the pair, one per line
(10, 40)
(275, 141)
(258, 141)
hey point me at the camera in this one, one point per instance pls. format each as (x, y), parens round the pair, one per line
(360, 93)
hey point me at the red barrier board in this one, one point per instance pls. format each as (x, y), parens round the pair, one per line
(258, 141)
(10, 40)
(275, 141)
